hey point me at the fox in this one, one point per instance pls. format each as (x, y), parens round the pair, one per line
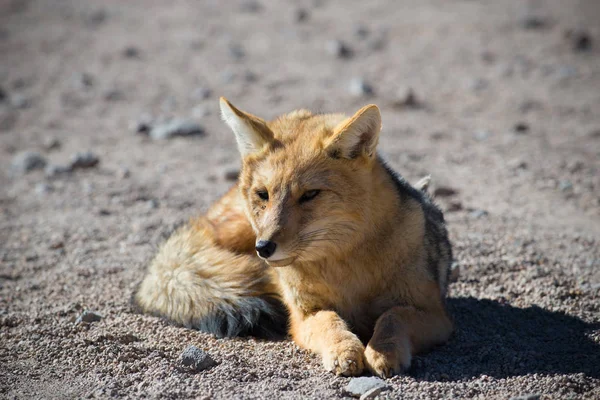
(319, 239)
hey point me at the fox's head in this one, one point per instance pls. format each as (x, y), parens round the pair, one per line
(306, 180)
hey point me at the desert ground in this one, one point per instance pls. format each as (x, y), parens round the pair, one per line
(110, 137)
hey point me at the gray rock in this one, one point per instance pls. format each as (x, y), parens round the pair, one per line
(84, 160)
(20, 101)
(482, 135)
(521, 127)
(131, 52)
(361, 31)
(232, 174)
(339, 49)
(52, 143)
(236, 51)
(301, 15)
(89, 317)
(580, 40)
(373, 393)
(444, 191)
(53, 170)
(479, 214)
(454, 272)
(360, 386)
(565, 185)
(197, 359)
(3, 94)
(43, 188)
(175, 127)
(359, 87)
(534, 22)
(529, 396)
(27, 161)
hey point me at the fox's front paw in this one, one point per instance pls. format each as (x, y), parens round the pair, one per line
(345, 358)
(387, 362)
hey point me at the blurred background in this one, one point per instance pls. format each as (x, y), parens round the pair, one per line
(110, 135)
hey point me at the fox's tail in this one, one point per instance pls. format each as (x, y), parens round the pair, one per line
(195, 283)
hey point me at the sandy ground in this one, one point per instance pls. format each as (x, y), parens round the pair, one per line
(507, 122)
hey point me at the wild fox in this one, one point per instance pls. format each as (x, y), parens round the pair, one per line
(319, 222)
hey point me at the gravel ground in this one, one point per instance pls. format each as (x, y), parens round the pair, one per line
(110, 137)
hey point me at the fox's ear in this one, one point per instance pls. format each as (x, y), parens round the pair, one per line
(356, 136)
(251, 133)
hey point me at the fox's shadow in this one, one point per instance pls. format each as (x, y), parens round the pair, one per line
(501, 341)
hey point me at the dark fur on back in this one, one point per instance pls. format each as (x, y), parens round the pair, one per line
(439, 249)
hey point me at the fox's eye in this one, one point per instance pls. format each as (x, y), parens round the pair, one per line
(309, 195)
(263, 194)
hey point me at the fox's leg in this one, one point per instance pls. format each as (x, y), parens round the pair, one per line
(401, 332)
(325, 333)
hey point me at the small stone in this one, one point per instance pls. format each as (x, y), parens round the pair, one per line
(52, 170)
(580, 40)
(96, 18)
(52, 143)
(250, 76)
(529, 396)
(454, 272)
(131, 52)
(482, 135)
(201, 93)
(123, 173)
(251, 6)
(103, 212)
(517, 164)
(565, 185)
(43, 188)
(339, 49)
(88, 317)
(114, 95)
(232, 174)
(83, 81)
(371, 394)
(152, 204)
(478, 84)
(359, 87)
(84, 160)
(478, 214)
(407, 99)
(301, 15)
(27, 161)
(361, 31)
(534, 22)
(19, 101)
(359, 386)
(236, 51)
(3, 94)
(197, 359)
(143, 124)
(444, 191)
(595, 134)
(175, 127)
(521, 127)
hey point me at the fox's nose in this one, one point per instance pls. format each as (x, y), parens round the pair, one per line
(266, 248)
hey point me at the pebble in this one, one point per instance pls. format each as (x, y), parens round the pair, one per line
(114, 95)
(454, 272)
(84, 160)
(359, 87)
(529, 396)
(521, 127)
(143, 124)
(482, 135)
(131, 52)
(52, 143)
(339, 49)
(43, 188)
(361, 31)
(407, 99)
(479, 213)
(236, 51)
(301, 15)
(360, 386)
(565, 185)
(175, 127)
(251, 6)
(534, 22)
(201, 93)
(54, 170)
(19, 101)
(27, 161)
(89, 317)
(3, 95)
(83, 80)
(444, 191)
(196, 358)
(232, 174)
(580, 40)
(371, 394)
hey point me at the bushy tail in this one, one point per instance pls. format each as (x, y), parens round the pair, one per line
(195, 283)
